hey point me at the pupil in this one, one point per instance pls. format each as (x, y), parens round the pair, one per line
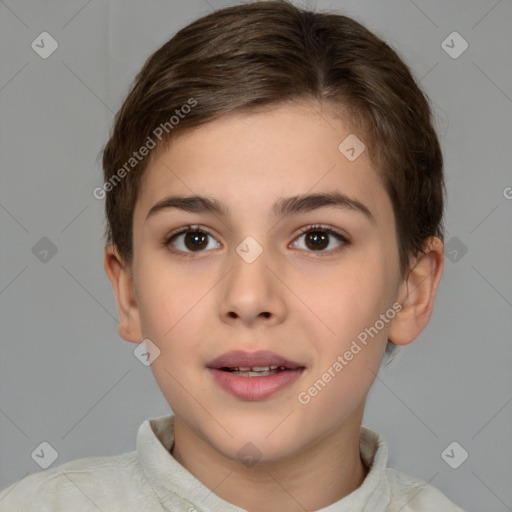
(318, 238)
(197, 240)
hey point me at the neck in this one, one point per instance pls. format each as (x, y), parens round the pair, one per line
(313, 479)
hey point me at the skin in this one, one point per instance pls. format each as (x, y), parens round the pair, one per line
(291, 300)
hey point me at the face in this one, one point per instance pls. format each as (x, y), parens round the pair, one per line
(302, 279)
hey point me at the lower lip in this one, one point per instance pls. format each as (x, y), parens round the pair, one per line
(255, 388)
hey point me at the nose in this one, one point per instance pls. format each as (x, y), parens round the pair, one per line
(252, 293)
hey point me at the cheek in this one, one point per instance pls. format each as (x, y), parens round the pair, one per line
(352, 297)
(348, 360)
(167, 296)
(169, 306)
(349, 353)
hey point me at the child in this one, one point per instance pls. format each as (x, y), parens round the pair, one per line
(274, 197)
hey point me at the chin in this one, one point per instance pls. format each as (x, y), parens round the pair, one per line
(262, 439)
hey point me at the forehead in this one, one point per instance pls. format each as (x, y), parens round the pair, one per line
(250, 160)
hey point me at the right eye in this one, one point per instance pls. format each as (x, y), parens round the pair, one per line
(189, 240)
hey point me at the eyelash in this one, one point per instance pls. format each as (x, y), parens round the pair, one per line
(307, 229)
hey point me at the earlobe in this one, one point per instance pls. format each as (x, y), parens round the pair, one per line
(121, 278)
(417, 293)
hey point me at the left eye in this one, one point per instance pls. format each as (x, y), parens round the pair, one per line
(318, 239)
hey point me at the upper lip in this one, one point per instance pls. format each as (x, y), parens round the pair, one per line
(239, 358)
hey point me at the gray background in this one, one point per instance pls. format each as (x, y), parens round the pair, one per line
(65, 375)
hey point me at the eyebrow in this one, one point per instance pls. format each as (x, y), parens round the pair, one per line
(284, 206)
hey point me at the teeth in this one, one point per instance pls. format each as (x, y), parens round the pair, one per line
(256, 371)
(263, 368)
(257, 368)
(254, 374)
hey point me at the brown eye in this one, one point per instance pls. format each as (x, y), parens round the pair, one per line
(319, 239)
(195, 240)
(190, 240)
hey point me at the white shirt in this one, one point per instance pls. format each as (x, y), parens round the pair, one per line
(150, 479)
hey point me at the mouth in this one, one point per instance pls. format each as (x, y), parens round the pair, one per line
(253, 364)
(254, 375)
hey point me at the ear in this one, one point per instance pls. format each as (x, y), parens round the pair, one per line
(120, 276)
(417, 293)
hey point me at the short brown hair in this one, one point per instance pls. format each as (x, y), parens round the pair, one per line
(260, 54)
